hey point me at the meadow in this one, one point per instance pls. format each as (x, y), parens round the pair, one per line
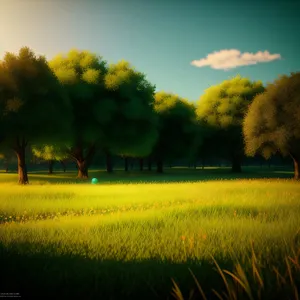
(185, 234)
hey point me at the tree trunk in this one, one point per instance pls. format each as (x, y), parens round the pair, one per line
(126, 164)
(22, 169)
(236, 164)
(109, 166)
(141, 161)
(82, 169)
(63, 164)
(296, 160)
(50, 166)
(149, 164)
(83, 163)
(159, 165)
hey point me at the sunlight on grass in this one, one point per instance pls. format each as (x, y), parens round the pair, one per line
(171, 223)
(93, 199)
(151, 218)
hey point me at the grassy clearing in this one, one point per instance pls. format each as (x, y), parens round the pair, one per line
(171, 175)
(128, 240)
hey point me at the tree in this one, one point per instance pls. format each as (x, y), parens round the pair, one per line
(36, 109)
(50, 153)
(202, 145)
(82, 74)
(222, 108)
(177, 128)
(272, 122)
(133, 129)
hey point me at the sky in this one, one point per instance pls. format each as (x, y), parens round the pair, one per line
(183, 47)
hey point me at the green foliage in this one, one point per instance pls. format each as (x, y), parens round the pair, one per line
(49, 152)
(221, 110)
(225, 105)
(133, 130)
(82, 75)
(272, 121)
(36, 108)
(118, 75)
(8, 88)
(112, 107)
(91, 76)
(177, 126)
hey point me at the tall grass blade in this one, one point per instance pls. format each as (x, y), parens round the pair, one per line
(292, 279)
(176, 291)
(279, 276)
(224, 278)
(243, 281)
(254, 267)
(217, 294)
(198, 285)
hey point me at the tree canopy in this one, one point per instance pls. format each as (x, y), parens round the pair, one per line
(222, 108)
(177, 127)
(133, 131)
(272, 121)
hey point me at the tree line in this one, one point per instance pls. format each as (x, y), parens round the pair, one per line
(76, 104)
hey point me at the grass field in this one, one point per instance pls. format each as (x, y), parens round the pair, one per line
(129, 235)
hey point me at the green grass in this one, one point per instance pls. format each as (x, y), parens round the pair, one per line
(126, 241)
(174, 174)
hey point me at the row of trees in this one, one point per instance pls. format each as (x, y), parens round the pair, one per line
(75, 105)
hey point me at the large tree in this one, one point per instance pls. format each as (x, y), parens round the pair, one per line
(177, 128)
(82, 74)
(222, 108)
(36, 109)
(133, 130)
(272, 123)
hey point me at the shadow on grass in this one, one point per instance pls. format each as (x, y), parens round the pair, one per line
(41, 276)
(170, 175)
(58, 276)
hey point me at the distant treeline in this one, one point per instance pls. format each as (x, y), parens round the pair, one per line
(76, 108)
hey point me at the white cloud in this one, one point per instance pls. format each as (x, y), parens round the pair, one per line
(228, 59)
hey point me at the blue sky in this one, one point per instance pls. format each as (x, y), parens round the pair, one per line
(162, 37)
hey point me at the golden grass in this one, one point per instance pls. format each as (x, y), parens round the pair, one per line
(174, 222)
